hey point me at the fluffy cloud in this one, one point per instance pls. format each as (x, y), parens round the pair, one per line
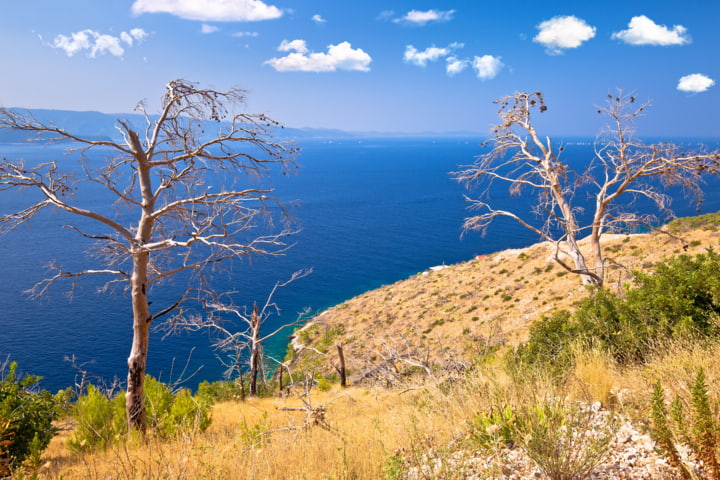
(643, 31)
(487, 67)
(338, 57)
(210, 10)
(560, 33)
(431, 54)
(318, 19)
(418, 17)
(96, 43)
(455, 65)
(695, 83)
(246, 34)
(297, 45)
(208, 28)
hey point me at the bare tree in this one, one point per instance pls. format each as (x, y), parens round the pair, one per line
(246, 343)
(181, 227)
(623, 166)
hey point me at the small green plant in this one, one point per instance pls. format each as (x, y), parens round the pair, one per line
(698, 431)
(662, 434)
(494, 429)
(705, 428)
(394, 467)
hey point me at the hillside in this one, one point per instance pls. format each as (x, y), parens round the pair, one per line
(445, 425)
(445, 317)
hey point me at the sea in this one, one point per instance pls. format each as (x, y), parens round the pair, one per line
(370, 212)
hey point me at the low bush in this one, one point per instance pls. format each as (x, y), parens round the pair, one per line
(101, 420)
(26, 418)
(220, 391)
(566, 440)
(680, 299)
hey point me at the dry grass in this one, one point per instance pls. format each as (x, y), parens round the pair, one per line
(369, 427)
(257, 439)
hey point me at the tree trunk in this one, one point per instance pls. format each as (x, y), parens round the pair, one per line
(137, 361)
(254, 350)
(342, 371)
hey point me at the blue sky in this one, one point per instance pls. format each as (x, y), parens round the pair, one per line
(387, 66)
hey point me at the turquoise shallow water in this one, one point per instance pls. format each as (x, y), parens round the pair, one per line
(372, 211)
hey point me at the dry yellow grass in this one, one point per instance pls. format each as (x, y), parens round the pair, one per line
(259, 439)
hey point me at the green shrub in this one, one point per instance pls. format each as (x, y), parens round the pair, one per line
(680, 299)
(220, 391)
(549, 345)
(26, 418)
(101, 421)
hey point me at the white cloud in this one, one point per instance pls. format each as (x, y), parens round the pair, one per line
(208, 28)
(455, 65)
(338, 57)
(297, 45)
(318, 19)
(134, 34)
(487, 67)
(643, 31)
(560, 33)
(695, 83)
(210, 10)
(245, 34)
(96, 43)
(431, 54)
(418, 17)
(416, 57)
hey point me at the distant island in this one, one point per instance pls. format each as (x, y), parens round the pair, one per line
(100, 125)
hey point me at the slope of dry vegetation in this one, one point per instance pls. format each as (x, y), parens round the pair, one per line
(449, 317)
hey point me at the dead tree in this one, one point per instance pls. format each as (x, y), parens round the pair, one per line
(624, 168)
(159, 172)
(245, 342)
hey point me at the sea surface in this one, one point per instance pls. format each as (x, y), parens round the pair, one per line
(372, 212)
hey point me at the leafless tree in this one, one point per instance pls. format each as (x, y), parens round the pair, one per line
(178, 226)
(244, 343)
(624, 168)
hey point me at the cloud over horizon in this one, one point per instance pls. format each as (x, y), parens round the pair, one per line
(421, 18)
(210, 10)
(96, 43)
(643, 31)
(563, 32)
(338, 57)
(695, 83)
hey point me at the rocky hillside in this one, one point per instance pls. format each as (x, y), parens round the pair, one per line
(449, 315)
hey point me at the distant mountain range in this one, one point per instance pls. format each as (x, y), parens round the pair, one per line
(97, 125)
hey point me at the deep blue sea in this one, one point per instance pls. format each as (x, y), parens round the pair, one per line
(372, 211)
